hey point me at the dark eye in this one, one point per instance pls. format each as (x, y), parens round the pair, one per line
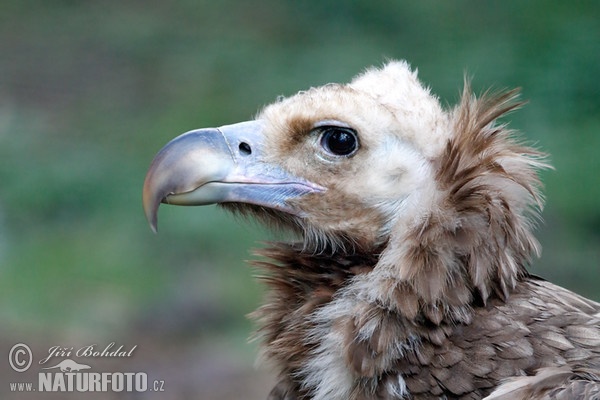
(339, 141)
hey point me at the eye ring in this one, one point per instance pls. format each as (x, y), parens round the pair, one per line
(339, 141)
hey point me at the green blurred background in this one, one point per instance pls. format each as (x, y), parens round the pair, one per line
(90, 90)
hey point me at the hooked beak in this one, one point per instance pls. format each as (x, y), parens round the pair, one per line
(220, 165)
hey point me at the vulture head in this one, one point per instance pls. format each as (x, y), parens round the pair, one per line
(415, 225)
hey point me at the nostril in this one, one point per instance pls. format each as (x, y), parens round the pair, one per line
(245, 149)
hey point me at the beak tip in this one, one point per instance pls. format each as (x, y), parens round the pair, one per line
(151, 204)
(151, 212)
(152, 219)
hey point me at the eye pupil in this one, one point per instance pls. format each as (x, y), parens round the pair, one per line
(245, 149)
(339, 141)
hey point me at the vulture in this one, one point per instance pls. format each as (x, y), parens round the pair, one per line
(414, 228)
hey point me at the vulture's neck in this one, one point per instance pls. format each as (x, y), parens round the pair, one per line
(325, 323)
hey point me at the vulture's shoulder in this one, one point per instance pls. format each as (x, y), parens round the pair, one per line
(541, 343)
(552, 383)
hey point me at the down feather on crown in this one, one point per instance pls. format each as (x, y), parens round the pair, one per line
(409, 280)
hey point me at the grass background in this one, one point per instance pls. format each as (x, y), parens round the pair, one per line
(89, 91)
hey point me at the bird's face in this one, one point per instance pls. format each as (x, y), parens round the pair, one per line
(334, 162)
(352, 146)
